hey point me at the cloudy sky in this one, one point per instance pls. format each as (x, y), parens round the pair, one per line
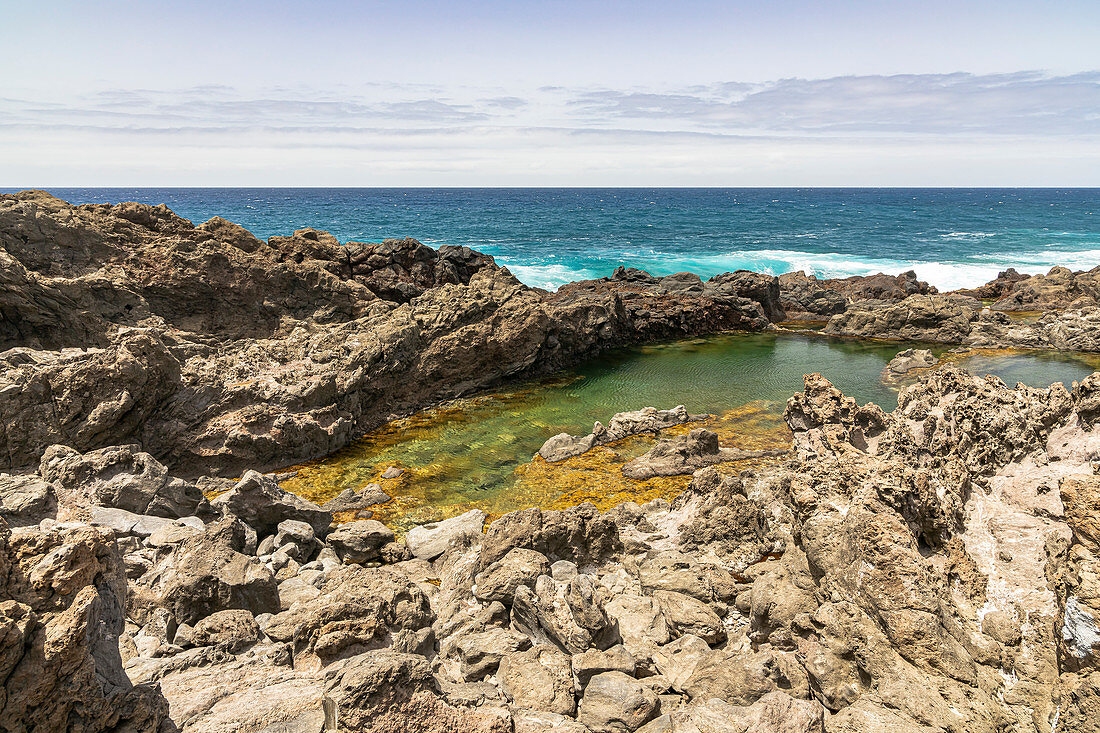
(556, 92)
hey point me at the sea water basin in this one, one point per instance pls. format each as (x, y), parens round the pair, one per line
(478, 452)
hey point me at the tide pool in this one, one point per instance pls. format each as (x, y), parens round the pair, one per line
(477, 452)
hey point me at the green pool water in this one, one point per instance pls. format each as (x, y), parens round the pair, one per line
(477, 452)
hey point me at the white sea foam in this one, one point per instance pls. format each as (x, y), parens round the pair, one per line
(945, 275)
(550, 277)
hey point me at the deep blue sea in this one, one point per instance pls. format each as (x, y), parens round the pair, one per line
(951, 237)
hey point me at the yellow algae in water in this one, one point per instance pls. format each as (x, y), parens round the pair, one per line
(445, 486)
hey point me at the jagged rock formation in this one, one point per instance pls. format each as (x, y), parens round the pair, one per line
(806, 297)
(217, 352)
(958, 319)
(932, 569)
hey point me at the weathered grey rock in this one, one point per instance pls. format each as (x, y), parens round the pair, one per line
(641, 624)
(929, 318)
(569, 615)
(581, 534)
(480, 653)
(429, 541)
(742, 678)
(61, 616)
(687, 615)
(357, 609)
(622, 425)
(26, 499)
(298, 535)
(262, 504)
(678, 659)
(499, 581)
(296, 590)
(805, 297)
(120, 477)
(203, 575)
(539, 678)
(383, 690)
(360, 541)
(123, 522)
(392, 472)
(172, 534)
(614, 702)
(595, 661)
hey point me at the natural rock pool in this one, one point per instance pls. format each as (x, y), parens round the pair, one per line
(477, 452)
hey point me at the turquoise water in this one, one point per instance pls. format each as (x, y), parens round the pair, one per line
(951, 237)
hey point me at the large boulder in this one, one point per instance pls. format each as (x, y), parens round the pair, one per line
(687, 615)
(499, 581)
(384, 690)
(429, 541)
(358, 609)
(119, 477)
(205, 574)
(743, 677)
(540, 678)
(569, 614)
(360, 541)
(26, 499)
(261, 503)
(615, 702)
(580, 534)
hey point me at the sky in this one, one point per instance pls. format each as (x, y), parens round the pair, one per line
(550, 93)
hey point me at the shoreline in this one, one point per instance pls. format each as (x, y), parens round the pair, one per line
(302, 343)
(928, 568)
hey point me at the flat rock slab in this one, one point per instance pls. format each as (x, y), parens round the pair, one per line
(429, 541)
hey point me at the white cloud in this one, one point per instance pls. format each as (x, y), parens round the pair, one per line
(1025, 128)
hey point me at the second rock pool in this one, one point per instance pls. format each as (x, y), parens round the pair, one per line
(477, 452)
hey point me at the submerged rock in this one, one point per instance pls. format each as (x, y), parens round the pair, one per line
(622, 425)
(686, 454)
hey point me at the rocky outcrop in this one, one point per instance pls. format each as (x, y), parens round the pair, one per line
(931, 569)
(1059, 289)
(957, 319)
(805, 297)
(216, 352)
(61, 616)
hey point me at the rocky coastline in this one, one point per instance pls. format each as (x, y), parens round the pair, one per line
(933, 568)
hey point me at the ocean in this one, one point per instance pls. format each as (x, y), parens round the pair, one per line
(548, 236)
